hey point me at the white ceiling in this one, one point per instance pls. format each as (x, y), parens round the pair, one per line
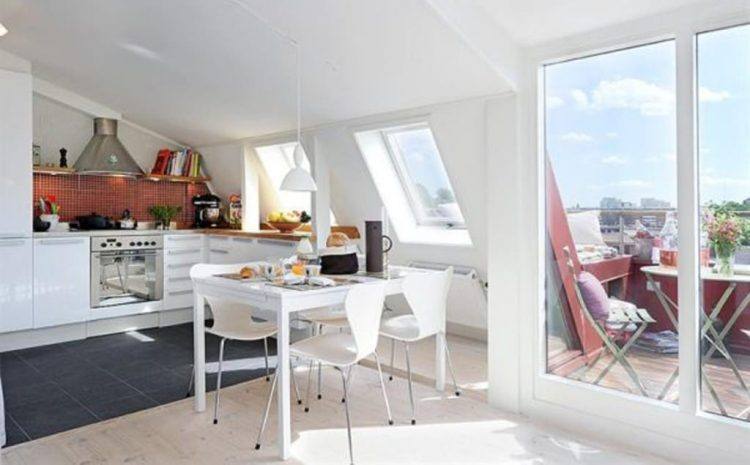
(203, 71)
(531, 22)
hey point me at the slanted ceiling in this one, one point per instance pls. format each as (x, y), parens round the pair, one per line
(203, 72)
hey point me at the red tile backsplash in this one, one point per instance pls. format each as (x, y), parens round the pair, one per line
(109, 196)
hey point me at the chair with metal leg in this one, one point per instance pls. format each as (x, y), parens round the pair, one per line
(232, 321)
(318, 320)
(343, 351)
(426, 294)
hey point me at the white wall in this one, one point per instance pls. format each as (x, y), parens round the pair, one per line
(459, 129)
(58, 125)
(13, 63)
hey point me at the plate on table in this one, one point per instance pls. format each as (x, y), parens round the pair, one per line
(238, 277)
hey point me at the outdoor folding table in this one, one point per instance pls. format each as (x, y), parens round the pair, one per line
(707, 330)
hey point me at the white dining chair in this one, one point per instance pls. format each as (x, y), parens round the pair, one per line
(427, 295)
(343, 351)
(320, 319)
(233, 321)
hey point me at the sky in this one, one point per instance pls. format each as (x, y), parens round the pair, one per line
(611, 122)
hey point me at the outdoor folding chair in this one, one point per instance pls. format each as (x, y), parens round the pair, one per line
(620, 322)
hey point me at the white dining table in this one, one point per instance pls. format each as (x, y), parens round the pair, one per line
(284, 303)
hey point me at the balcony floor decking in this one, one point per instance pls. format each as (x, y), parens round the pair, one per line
(654, 371)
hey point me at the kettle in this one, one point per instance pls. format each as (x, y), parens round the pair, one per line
(127, 221)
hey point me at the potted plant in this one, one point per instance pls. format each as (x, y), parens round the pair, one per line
(163, 214)
(725, 231)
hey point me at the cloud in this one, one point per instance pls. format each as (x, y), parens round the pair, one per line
(614, 160)
(580, 98)
(670, 157)
(554, 102)
(631, 183)
(711, 96)
(577, 137)
(635, 94)
(724, 181)
(623, 183)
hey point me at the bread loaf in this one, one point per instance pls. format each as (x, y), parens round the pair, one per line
(337, 239)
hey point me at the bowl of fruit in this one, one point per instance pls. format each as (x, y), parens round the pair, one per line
(287, 222)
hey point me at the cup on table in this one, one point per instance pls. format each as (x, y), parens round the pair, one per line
(267, 269)
(312, 270)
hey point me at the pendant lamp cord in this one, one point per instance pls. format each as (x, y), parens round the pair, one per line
(296, 46)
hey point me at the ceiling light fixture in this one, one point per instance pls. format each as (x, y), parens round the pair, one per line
(297, 179)
(3, 30)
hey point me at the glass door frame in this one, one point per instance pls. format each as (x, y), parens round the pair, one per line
(553, 397)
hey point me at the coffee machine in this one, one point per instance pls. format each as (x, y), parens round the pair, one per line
(207, 214)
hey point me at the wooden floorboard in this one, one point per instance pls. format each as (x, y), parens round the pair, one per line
(449, 430)
(654, 371)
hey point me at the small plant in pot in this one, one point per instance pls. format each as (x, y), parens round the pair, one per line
(164, 214)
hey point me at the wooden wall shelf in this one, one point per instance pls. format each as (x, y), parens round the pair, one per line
(164, 177)
(53, 170)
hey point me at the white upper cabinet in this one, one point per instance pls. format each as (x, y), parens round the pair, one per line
(15, 154)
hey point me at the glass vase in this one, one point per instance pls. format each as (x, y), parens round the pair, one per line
(725, 264)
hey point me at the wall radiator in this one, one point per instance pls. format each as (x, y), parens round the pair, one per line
(467, 299)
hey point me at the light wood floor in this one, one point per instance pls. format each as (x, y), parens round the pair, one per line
(449, 429)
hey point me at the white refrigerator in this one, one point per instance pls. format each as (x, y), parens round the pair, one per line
(16, 192)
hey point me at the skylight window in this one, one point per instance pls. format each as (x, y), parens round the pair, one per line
(407, 168)
(416, 158)
(277, 160)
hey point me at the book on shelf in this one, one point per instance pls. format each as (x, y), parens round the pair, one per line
(185, 162)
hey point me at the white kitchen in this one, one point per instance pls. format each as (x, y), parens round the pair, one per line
(252, 231)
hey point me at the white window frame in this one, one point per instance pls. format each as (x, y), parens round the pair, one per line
(603, 412)
(388, 135)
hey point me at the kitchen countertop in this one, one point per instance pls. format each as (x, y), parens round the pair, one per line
(143, 232)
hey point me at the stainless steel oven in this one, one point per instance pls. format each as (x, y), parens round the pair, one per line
(126, 269)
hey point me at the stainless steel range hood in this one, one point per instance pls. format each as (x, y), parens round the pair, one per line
(105, 154)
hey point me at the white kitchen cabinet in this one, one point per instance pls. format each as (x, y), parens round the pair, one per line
(244, 249)
(181, 252)
(225, 249)
(15, 152)
(61, 281)
(16, 285)
(266, 249)
(220, 250)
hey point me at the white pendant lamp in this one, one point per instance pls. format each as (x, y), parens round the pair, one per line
(298, 179)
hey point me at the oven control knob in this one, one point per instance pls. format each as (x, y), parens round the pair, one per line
(132, 244)
(153, 242)
(140, 243)
(104, 244)
(119, 244)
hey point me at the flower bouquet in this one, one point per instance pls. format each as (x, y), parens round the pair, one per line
(725, 231)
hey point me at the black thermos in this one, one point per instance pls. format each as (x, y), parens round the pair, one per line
(374, 246)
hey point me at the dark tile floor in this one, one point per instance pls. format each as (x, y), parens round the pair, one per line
(59, 387)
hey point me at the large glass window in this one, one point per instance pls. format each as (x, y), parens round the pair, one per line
(724, 179)
(611, 242)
